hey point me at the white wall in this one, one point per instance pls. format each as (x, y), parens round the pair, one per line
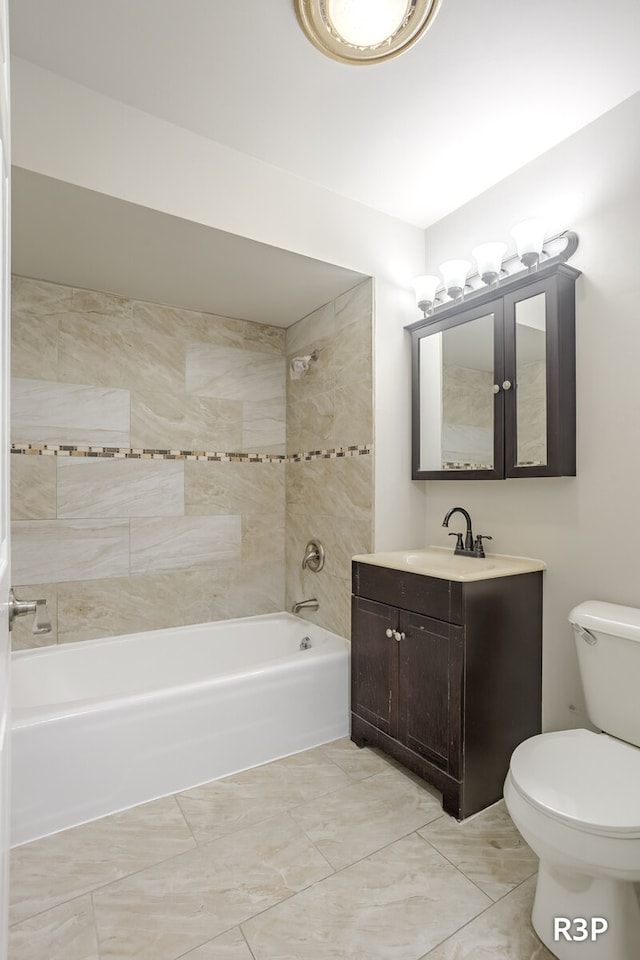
(66, 131)
(587, 529)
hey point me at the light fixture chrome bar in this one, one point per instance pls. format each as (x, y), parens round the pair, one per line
(556, 249)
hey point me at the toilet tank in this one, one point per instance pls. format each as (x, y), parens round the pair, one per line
(608, 643)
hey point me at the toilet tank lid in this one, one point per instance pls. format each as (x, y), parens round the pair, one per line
(611, 618)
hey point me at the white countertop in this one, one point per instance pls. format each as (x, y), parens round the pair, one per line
(441, 562)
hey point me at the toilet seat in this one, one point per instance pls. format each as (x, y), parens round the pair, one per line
(589, 781)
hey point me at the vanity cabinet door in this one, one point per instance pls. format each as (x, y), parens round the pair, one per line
(409, 684)
(430, 680)
(374, 663)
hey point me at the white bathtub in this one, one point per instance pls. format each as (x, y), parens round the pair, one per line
(103, 725)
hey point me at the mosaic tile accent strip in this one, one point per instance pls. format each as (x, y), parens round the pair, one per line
(143, 453)
(465, 465)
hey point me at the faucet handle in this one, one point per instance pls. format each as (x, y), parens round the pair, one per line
(459, 544)
(18, 608)
(313, 556)
(479, 546)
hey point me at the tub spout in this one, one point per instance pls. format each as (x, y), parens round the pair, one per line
(299, 605)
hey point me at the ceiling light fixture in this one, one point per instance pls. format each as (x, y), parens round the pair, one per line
(365, 31)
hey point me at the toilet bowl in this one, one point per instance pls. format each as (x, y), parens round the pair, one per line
(574, 796)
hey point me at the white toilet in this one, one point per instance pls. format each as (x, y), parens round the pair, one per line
(575, 798)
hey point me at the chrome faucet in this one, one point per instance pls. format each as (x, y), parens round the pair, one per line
(470, 547)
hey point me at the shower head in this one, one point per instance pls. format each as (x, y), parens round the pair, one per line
(300, 365)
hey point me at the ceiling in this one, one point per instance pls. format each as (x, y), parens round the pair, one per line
(485, 91)
(65, 233)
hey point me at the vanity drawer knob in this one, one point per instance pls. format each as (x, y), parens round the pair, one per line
(496, 388)
(399, 636)
(390, 632)
(506, 384)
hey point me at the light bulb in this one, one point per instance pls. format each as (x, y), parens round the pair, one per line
(366, 23)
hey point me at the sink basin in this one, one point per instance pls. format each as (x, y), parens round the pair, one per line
(443, 563)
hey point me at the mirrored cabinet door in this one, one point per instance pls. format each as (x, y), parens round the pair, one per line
(458, 415)
(540, 413)
(531, 381)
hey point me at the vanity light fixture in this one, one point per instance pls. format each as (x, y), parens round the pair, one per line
(533, 252)
(488, 257)
(365, 31)
(454, 274)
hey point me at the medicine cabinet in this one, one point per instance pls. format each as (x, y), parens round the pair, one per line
(493, 382)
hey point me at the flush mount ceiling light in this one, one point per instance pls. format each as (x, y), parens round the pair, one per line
(365, 31)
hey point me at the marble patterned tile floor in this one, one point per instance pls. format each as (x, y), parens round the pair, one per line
(332, 854)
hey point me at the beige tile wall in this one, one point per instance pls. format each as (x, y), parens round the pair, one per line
(331, 407)
(119, 545)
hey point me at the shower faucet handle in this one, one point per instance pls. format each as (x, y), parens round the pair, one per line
(20, 608)
(41, 621)
(313, 556)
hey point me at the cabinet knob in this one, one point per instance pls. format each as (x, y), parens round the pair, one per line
(506, 384)
(496, 388)
(399, 636)
(390, 633)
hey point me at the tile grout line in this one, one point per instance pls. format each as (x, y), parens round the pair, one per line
(184, 817)
(95, 924)
(246, 941)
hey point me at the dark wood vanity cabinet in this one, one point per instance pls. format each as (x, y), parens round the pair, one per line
(446, 676)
